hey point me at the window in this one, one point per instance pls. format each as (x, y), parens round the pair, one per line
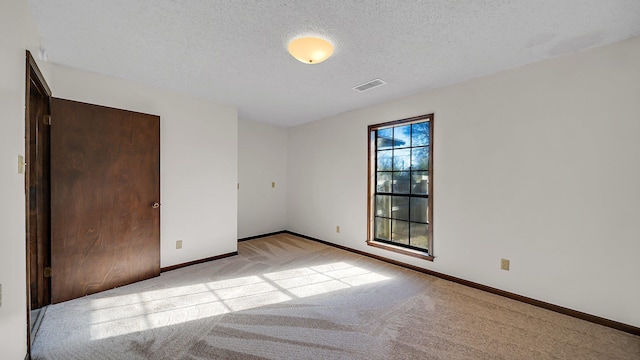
(400, 186)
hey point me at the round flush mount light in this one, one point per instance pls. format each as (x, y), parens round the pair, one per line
(310, 50)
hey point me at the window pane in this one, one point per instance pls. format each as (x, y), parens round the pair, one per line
(419, 235)
(400, 231)
(383, 182)
(400, 207)
(419, 209)
(385, 159)
(420, 182)
(402, 136)
(383, 205)
(401, 182)
(400, 211)
(420, 158)
(384, 139)
(401, 159)
(420, 134)
(383, 229)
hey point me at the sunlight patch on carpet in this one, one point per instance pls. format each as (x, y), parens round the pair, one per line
(125, 314)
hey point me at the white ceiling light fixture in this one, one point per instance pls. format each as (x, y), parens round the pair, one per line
(310, 50)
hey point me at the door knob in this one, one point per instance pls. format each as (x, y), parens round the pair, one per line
(155, 205)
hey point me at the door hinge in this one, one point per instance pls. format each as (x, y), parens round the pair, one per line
(47, 119)
(47, 272)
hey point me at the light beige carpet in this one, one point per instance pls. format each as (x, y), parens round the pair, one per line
(284, 297)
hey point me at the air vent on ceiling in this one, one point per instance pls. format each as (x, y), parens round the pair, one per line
(369, 85)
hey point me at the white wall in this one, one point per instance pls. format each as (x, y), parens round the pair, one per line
(198, 160)
(540, 165)
(17, 33)
(262, 159)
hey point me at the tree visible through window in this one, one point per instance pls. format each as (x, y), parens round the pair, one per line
(400, 206)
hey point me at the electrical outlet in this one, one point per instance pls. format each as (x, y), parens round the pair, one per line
(504, 264)
(273, 184)
(179, 244)
(338, 229)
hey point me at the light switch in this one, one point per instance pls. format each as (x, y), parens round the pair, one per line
(273, 184)
(20, 164)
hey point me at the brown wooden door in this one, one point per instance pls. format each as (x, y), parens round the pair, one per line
(37, 183)
(105, 178)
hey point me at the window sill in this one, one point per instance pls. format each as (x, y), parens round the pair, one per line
(401, 250)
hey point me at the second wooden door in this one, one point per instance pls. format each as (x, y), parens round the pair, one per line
(105, 190)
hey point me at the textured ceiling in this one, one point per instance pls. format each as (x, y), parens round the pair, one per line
(234, 52)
